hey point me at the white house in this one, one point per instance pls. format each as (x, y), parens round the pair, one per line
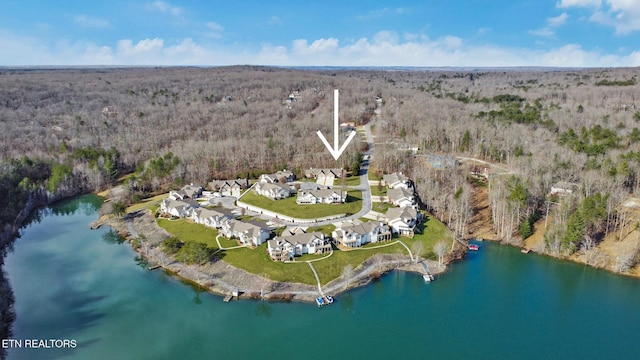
(280, 249)
(187, 192)
(356, 233)
(229, 187)
(289, 246)
(396, 181)
(247, 233)
(403, 221)
(563, 188)
(213, 218)
(323, 176)
(283, 176)
(273, 191)
(178, 208)
(323, 196)
(401, 197)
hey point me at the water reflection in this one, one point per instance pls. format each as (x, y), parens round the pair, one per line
(112, 237)
(263, 309)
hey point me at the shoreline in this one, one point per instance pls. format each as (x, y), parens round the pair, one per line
(223, 279)
(575, 258)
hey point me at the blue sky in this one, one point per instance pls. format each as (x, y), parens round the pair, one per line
(567, 33)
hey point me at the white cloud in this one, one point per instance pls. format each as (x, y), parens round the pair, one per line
(382, 49)
(558, 20)
(164, 7)
(623, 15)
(483, 31)
(552, 24)
(378, 13)
(90, 21)
(214, 30)
(143, 47)
(545, 31)
(275, 20)
(214, 26)
(383, 37)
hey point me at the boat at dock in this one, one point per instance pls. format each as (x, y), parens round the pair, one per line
(428, 277)
(324, 300)
(473, 247)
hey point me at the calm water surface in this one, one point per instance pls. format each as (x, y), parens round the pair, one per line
(74, 283)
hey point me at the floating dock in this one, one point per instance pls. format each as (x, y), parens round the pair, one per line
(324, 300)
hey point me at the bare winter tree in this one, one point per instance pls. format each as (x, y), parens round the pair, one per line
(440, 249)
(418, 249)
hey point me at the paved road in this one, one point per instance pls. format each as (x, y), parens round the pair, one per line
(364, 187)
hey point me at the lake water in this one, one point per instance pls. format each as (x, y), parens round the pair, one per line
(74, 283)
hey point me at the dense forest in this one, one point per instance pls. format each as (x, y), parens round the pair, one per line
(554, 154)
(165, 127)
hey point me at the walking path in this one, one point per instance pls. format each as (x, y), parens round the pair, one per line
(406, 247)
(317, 278)
(228, 248)
(381, 246)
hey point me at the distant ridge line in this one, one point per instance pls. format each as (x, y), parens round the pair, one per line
(309, 68)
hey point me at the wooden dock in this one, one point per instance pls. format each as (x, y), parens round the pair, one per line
(154, 267)
(227, 298)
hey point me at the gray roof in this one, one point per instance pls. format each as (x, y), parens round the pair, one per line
(337, 172)
(397, 194)
(206, 213)
(395, 177)
(323, 193)
(191, 190)
(272, 186)
(220, 184)
(364, 228)
(301, 239)
(244, 227)
(403, 213)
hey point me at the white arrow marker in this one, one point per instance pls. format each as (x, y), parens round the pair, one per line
(336, 150)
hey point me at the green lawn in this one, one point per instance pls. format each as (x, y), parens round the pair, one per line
(188, 231)
(375, 191)
(332, 267)
(325, 229)
(257, 261)
(431, 231)
(351, 181)
(152, 203)
(373, 175)
(381, 207)
(289, 207)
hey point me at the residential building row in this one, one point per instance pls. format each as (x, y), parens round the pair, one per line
(401, 220)
(297, 242)
(248, 233)
(279, 186)
(397, 181)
